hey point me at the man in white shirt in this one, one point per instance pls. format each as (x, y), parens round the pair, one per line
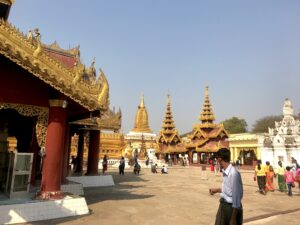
(230, 209)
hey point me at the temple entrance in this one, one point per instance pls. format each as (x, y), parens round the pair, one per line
(248, 157)
(17, 134)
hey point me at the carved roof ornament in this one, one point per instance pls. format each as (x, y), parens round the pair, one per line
(31, 56)
(37, 38)
(141, 124)
(103, 98)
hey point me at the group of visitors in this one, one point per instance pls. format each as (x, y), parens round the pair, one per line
(287, 176)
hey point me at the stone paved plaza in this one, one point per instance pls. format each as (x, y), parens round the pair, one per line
(179, 198)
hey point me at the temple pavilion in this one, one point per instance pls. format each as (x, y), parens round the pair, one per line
(206, 137)
(170, 144)
(43, 89)
(140, 140)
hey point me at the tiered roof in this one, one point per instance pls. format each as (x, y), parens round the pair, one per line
(207, 136)
(207, 116)
(169, 140)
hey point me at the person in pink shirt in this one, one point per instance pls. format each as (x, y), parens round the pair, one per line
(289, 180)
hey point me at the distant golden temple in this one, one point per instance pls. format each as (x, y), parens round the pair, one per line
(141, 139)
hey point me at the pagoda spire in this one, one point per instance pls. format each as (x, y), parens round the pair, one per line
(168, 127)
(207, 116)
(142, 103)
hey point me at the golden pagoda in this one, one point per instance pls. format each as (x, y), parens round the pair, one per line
(141, 124)
(206, 137)
(169, 141)
(141, 139)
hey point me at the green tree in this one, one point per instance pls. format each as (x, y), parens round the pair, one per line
(261, 125)
(235, 125)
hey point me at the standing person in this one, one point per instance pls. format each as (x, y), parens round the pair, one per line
(270, 179)
(260, 176)
(74, 162)
(104, 164)
(295, 164)
(289, 180)
(238, 162)
(137, 168)
(280, 174)
(230, 209)
(212, 167)
(122, 166)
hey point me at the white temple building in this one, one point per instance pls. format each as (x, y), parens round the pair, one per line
(282, 142)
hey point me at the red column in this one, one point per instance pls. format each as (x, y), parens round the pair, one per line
(52, 161)
(66, 154)
(80, 150)
(93, 155)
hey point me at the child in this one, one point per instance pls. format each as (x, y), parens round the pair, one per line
(289, 180)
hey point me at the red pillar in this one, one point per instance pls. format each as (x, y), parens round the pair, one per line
(80, 150)
(93, 155)
(66, 154)
(52, 161)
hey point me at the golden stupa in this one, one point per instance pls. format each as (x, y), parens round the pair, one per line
(140, 139)
(141, 124)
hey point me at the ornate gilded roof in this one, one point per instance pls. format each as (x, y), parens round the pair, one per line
(141, 124)
(169, 139)
(207, 116)
(28, 52)
(200, 137)
(110, 120)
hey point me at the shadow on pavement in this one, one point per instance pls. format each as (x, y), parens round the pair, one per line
(121, 191)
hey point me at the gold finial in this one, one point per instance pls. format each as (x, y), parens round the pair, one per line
(206, 91)
(168, 99)
(142, 103)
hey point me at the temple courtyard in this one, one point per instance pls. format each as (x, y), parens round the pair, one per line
(178, 198)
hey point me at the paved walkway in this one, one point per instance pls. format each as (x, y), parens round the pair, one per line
(178, 198)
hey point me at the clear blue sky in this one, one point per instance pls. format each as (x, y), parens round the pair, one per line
(248, 52)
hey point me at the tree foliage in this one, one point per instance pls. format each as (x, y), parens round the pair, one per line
(235, 125)
(262, 124)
